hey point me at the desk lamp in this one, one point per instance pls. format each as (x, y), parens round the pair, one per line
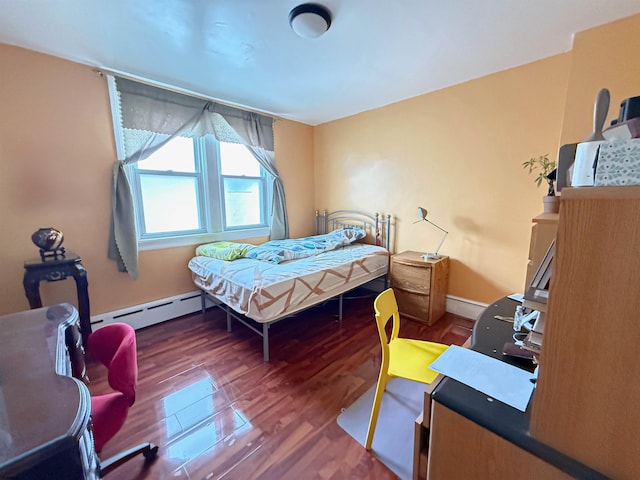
(422, 213)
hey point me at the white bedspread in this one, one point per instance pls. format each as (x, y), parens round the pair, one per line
(266, 292)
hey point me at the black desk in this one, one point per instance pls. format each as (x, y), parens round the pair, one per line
(488, 337)
(58, 268)
(44, 411)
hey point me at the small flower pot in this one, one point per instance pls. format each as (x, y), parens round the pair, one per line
(551, 204)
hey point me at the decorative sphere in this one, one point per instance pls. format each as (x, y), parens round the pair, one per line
(47, 239)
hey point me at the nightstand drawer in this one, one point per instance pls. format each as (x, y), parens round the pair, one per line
(420, 285)
(410, 278)
(414, 305)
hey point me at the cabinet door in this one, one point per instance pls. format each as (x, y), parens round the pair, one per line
(460, 448)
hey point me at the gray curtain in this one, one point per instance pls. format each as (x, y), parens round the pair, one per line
(279, 220)
(150, 117)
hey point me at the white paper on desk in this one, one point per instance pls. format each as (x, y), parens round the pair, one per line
(518, 297)
(504, 382)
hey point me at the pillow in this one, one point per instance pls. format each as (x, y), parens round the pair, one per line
(347, 235)
(270, 252)
(276, 251)
(224, 250)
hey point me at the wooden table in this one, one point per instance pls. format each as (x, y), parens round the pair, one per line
(57, 268)
(44, 410)
(464, 421)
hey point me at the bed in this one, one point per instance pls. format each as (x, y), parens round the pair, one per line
(258, 290)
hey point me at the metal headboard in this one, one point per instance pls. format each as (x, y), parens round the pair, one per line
(377, 226)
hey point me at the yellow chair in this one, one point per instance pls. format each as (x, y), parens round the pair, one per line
(401, 357)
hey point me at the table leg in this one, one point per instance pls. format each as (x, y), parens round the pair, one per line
(82, 285)
(32, 290)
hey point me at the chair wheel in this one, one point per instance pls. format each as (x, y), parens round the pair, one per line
(152, 453)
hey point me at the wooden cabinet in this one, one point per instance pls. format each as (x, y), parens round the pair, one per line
(479, 453)
(583, 418)
(543, 231)
(420, 285)
(587, 395)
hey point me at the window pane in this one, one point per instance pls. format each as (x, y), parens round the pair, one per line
(235, 159)
(169, 203)
(242, 201)
(176, 155)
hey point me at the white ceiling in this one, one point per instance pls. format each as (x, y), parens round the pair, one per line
(243, 52)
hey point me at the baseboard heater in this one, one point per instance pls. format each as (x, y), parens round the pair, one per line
(158, 311)
(464, 307)
(150, 313)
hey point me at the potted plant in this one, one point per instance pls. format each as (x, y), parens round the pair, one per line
(545, 170)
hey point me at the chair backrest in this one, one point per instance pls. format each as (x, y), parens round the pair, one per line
(114, 345)
(386, 308)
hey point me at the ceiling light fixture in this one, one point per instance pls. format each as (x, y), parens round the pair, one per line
(310, 20)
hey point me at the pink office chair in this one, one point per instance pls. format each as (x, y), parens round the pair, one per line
(114, 346)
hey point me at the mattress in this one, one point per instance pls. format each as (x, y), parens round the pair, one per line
(266, 292)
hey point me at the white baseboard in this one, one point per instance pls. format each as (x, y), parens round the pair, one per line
(456, 305)
(139, 316)
(464, 307)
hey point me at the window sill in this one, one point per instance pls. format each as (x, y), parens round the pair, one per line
(186, 240)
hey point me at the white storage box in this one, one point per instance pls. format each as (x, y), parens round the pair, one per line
(585, 164)
(618, 163)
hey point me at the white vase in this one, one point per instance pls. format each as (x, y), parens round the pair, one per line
(551, 203)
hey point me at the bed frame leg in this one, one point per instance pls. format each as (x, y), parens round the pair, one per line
(340, 307)
(265, 342)
(228, 318)
(203, 301)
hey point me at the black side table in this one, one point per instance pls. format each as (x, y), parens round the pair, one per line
(57, 268)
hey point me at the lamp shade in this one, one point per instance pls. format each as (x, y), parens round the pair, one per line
(310, 20)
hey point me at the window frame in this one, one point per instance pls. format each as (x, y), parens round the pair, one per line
(210, 194)
(263, 181)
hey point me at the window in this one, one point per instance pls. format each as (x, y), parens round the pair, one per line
(243, 189)
(197, 190)
(188, 191)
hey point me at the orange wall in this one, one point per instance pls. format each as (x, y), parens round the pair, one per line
(458, 152)
(603, 57)
(56, 157)
(294, 157)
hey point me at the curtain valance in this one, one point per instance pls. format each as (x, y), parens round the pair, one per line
(158, 111)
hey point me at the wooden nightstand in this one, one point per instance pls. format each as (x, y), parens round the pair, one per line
(420, 285)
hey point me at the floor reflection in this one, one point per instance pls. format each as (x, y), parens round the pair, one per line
(199, 419)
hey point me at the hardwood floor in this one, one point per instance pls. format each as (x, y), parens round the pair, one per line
(218, 411)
